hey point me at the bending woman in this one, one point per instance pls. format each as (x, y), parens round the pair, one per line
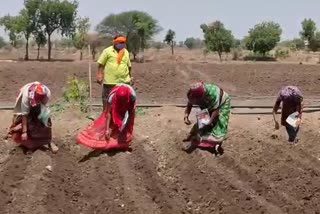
(291, 98)
(114, 127)
(31, 123)
(217, 102)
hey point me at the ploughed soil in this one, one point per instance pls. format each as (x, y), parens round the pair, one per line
(167, 82)
(257, 174)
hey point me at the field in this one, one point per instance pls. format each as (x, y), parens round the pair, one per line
(257, 174)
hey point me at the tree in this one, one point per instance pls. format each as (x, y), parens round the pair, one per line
(314, 44)
(237, 43)
(191, 43)
(263, 37)
(81, 38)
(146, 27)
(25, 26)
(137, 26)
(41, 41)
(10, 27)
(2, 42)
(28, 21)
(298, 43)
(58, 15)
(308, 29)
(169, 39)
(217, 38)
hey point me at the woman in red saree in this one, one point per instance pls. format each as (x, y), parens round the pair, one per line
(113, 129)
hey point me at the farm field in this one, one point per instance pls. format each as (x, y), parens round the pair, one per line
(257, 174)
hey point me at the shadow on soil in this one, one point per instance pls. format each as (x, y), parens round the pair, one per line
(98, 153)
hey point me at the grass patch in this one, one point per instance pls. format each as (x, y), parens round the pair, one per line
(141, 110)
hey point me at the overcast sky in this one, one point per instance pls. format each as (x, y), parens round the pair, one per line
(185, 16)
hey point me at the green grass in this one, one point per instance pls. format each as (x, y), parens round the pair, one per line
(141, 111)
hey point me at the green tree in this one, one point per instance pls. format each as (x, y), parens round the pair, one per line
(10, 27)
(263, 37)
(137, 26)
(298, 43)
(146, 26)
(309, 29)
(41, 40)
(25, 27)
(2, 42)
(314, 44)
(58, 15)
(217, 38)
(190, 43)
(81, 38)
(169, 39)
(28, 21)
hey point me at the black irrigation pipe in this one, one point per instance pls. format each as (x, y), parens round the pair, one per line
(252, 113)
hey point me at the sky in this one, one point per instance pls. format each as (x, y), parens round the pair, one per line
(186, 16)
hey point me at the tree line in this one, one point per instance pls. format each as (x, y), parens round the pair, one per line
(39, 19)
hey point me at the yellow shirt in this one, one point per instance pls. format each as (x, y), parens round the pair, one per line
(115, 73)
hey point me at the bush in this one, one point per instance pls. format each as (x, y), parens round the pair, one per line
(236, 54)
(259, 57)
(77, 91)
(281, 53)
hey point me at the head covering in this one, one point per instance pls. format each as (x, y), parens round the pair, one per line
(118, 40)
(291, 93)
(196, 91)
(38, 92)
(120, 104)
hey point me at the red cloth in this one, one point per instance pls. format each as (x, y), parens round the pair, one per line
(38, 135)
(120, 103)
(207, 144)
(196, 92)
(93, 136)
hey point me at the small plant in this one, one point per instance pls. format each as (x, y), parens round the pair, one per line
(77, 91)
(141, 110)
(57, 107)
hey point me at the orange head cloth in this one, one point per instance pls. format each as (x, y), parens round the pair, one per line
(116, 41)
(40, 93)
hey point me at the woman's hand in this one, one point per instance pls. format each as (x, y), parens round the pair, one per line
(132, 80)
(108, 134)
(24, 136)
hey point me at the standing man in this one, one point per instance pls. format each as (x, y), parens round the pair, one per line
(114, 66)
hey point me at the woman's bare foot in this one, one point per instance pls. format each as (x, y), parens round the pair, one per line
(188, 138)
(53, 148)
